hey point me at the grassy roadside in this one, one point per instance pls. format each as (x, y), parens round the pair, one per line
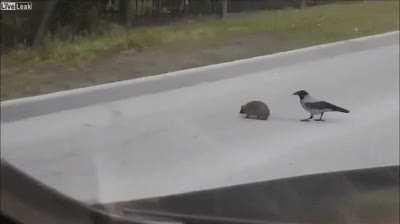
(130, 53)
(313, 25)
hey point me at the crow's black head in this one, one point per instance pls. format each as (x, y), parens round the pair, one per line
(301, 93)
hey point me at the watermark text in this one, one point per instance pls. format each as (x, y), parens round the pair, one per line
(13, 6)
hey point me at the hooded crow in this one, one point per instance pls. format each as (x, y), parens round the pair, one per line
(315, 106)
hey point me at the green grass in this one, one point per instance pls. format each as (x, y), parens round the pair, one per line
(308, 26)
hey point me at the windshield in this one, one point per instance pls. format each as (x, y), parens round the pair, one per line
(200, 111)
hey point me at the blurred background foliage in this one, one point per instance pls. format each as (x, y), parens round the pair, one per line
(65, 19)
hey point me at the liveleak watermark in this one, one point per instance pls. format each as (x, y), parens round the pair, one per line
(13, 6)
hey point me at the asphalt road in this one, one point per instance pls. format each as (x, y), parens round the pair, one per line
(189, 137)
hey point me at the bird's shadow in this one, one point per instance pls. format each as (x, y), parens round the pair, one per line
(299, 120)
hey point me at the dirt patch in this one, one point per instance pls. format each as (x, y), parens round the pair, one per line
(134, 63)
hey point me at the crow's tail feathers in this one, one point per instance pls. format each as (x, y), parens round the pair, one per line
(336, 108)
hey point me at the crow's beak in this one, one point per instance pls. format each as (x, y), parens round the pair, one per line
(295, 93)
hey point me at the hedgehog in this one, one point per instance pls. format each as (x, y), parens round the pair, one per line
(255, 109)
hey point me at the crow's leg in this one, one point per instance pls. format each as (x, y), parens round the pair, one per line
(320, 118)
(308, 119)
